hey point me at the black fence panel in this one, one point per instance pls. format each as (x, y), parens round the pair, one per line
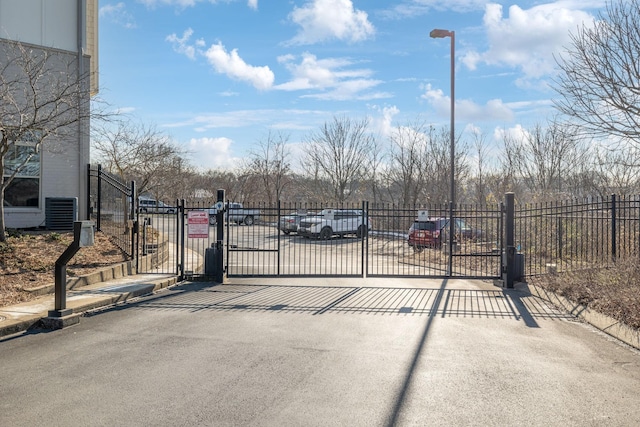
(578, 234)
(191, 232)
(294, 239)
(110, 207)
(359, 239)
(159, 237)
(397, 245)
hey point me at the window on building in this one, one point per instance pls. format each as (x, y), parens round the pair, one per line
(24, 190)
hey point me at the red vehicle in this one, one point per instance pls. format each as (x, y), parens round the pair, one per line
(432, 232)
(425, 234)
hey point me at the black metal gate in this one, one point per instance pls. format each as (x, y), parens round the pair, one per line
(301, 239)
(359, 240)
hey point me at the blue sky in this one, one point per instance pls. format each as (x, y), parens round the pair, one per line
(219, 75)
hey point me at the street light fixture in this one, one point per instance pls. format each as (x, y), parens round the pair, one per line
(439, 34)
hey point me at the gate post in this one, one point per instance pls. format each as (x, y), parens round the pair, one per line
(219, 277)
(133, 220)
(509, 273)
(180, 239)
(613, 228)
(99, 199)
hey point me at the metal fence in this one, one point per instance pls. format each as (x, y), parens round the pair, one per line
(476, 243)
(578, 234)
(158, 240)
(555, 236)
(110, 207)
(362, 239)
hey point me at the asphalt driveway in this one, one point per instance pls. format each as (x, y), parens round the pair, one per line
(344, 352)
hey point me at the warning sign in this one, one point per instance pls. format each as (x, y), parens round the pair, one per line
(198, 225)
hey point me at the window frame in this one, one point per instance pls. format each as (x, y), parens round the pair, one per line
(29, 141)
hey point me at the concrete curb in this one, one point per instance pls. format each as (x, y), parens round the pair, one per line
(606, 324)
(116, 271)
(32, 314)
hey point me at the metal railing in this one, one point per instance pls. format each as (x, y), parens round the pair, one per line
(577, 234)
(362, 239)
(110, 207)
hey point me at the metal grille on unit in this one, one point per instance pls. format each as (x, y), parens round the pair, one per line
(60, 213)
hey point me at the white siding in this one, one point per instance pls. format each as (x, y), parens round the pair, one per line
(49, 23)
(58, 178)
(54, 24)
(92, 43)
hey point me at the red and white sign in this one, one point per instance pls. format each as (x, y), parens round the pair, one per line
(197, 225)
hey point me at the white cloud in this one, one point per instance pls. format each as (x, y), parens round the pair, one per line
(528, 38)
(516, 133)
(331, 77)
(179, 3)
(212, 153)
(118, 14)
(322, 20)
(467, 110)
(230, 119)
(413, 8)
(227, 63)
(384, 123)
(181, 45)
(232, 65)
(183, 4)
(125, 110)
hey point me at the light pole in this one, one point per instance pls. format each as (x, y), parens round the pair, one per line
(439, 34)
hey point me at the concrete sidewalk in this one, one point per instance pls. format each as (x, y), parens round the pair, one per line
(21, 317)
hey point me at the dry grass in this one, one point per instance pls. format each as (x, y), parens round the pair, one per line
(612, 291)
(27, 260)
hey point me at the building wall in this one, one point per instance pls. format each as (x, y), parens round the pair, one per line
(50, 23)
(92, 43)
(70, 26)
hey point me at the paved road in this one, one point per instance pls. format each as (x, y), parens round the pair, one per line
(323, 352)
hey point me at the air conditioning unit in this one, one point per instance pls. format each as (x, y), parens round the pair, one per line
(60, 213)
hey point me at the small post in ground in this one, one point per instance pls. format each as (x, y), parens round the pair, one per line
(62, 316)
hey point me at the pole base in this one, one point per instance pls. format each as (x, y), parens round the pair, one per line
(56, 321)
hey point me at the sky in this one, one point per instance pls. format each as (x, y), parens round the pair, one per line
(219, 75)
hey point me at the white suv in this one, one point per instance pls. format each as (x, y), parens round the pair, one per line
(154, 206)
(332, 222)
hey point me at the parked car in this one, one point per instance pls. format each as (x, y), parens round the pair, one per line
(433, 232)
(463, 230)
(332, 222)
(425, 234)
(235, 212)
(290, 223)
(146, 205)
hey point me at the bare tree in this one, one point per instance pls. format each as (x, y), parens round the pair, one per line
(374, 170)
(544, 158)
(138, 152)
(339, 153)
(481, 151)
(599, 83)
(437, 166)
(270, 162)
(44, 99)
(407, 170)
(615, 171)
(224, 179)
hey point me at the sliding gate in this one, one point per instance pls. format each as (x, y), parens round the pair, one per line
(270, 242)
